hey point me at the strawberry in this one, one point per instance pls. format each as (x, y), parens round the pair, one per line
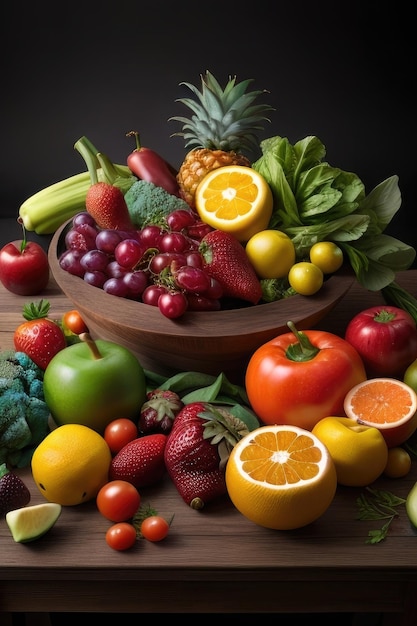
(106, 203)
(225, 259)
(141, 461)
(158, 412)
(39, 337)
(197, 450)
(13, 492)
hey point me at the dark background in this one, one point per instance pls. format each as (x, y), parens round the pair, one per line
(343, 72)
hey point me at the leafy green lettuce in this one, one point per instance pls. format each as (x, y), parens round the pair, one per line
(314, 201)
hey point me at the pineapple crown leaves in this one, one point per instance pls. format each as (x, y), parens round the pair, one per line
(36, 310)
(223, 118)
(223, 428)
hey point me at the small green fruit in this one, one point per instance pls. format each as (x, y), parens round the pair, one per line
(411, 505)
(31, 522)
(410, 375)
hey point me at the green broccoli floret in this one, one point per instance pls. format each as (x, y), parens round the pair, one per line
(274, 289)
(24, 413)
(150, 204)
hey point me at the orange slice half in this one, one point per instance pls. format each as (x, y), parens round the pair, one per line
(235, 199)
(281, 477)
(386, 403)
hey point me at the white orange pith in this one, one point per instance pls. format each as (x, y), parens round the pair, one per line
(281, 477)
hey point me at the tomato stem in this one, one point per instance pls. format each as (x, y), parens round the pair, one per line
(304, 350)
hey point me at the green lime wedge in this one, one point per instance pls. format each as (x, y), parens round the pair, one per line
(31, 522)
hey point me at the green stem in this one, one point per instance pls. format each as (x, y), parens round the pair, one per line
(89, 154)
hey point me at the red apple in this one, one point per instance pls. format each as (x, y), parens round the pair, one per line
(24, 267)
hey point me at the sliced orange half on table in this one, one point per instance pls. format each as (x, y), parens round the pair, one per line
(235, 199)
(386, 403)
(281, 477)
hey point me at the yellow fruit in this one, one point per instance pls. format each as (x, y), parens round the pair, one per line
(271, 253)
(281, 477)
(359, 452)
(71, 464)
(305, 278)
(386, 403)
(235, 199)
(327, 256)
(398, 463)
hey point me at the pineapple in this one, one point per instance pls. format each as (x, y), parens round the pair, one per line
(222, 128)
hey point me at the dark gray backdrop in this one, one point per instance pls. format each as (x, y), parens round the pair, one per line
(343, 72)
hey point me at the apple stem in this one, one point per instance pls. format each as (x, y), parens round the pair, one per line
(86, 337)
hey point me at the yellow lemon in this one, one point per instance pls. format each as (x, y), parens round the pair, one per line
(281, 477)
(359, 452)
(271, 253)
(235, 199)
(71, 464)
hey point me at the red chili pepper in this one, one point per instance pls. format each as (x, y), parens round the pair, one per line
(149, 165)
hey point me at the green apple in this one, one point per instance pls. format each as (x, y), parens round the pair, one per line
(359, 452)
(94, 382)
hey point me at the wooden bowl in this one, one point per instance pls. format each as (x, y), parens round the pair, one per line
(210, 342)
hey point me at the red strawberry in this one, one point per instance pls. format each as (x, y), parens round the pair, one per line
(39, 337)
(225, 259)
(106, 203)
(141, 461)
(197, 450)
(158, 412)
(13, 492)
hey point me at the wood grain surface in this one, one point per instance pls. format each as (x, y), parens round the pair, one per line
(214, 560)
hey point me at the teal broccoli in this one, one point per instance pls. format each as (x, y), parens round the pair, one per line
(24, 413)
(150, 204)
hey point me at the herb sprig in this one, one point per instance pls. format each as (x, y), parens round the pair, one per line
(378, 504)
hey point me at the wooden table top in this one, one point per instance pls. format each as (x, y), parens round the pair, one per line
(214, 560)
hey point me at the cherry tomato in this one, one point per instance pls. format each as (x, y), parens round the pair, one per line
(118, 500)
(386, 339)
(119, 432)
(300, 377)
(305, 278)
(398, 463)
(327, 256)
(154, 528)
(74, 322)
(121, 536)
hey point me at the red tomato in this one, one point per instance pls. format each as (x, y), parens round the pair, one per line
(386, 339)
(120, 432)
(154, 528)
(299, 378)
(24, 267)
(118, 500)
(73, 321)
(121, 536)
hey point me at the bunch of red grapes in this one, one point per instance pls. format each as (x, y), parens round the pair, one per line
(158, 265)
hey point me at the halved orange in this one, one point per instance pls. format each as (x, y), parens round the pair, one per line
(281, 477)
(235, 199)
(386, 403)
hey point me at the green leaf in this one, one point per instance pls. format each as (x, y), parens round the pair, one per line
(384, 200)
